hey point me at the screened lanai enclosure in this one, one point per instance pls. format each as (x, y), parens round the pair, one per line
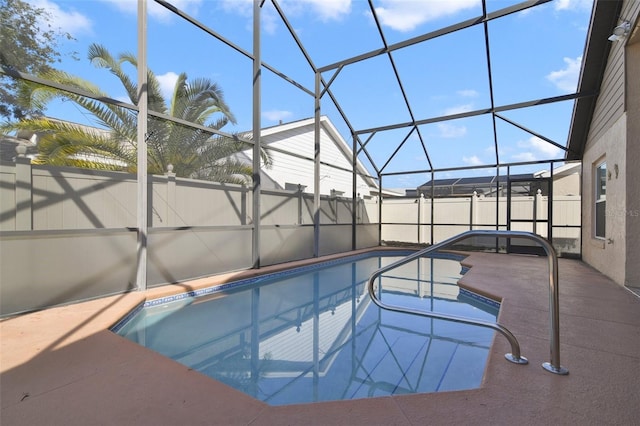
(154, 142)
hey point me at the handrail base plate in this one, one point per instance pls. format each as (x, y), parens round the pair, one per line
(555, 370)
(522, 360)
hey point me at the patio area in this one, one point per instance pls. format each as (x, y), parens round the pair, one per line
(62, 366)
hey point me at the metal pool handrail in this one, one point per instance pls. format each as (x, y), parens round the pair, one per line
(554, 307)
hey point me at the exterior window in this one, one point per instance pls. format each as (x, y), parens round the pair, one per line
(600, 199)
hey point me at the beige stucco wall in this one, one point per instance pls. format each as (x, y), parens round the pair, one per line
(632, 174)
(615, 136)
(567, 185)
(607, 255)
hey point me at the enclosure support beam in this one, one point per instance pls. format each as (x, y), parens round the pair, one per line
(256, 135)
(432, 207)
(316, 168)
(142, 200)
(380, 210)
(354, 192)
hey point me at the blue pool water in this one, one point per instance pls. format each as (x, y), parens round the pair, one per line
(314, 335)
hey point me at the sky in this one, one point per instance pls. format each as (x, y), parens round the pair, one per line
(535, 54)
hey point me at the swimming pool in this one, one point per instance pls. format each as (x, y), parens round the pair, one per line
(313, 334)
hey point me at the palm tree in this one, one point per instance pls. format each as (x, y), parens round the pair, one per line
(192, 152)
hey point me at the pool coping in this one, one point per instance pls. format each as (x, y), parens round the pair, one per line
(63, 366)
(207, 289)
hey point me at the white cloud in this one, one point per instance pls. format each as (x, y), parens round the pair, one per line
(325, 10)
(241, 7)
(70, 21)
(535, 149)
(468, 93)
(268, 17)
(276, 115)
(459, 109)
(566, 79)
(129, 7)
(562, 6)
(472, 161)
(155, 10)
(524, 156)
(450, 131)
(544, 147)
(406, 15)
(269, 22)
(167, 83)
(540, 146)
(573, 4)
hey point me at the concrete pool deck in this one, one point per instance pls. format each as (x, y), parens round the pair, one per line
(62, 366)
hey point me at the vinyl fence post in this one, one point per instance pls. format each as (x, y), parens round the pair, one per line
(474, 210)
(171, 196)
(244, 193)
(420, 203)
(539, 211)
(24, 194)
(300, 204)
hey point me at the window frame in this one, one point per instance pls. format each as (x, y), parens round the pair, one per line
(600, 199)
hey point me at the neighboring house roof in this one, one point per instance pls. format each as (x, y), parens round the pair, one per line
(295, 137)
(604, 18)
(393, 192)
(564, 170)
(292, 145)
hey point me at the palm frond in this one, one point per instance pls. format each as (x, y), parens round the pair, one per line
(206, 99)
(68, 144)
(193, 152)
(129, 58)
(179, 100)
(40, 96)
(155, 99)
(226, 171)
(100, 56)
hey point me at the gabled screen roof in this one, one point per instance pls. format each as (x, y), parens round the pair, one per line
(443, 86)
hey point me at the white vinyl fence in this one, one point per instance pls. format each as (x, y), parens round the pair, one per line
(410, 220)
(69, 234)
